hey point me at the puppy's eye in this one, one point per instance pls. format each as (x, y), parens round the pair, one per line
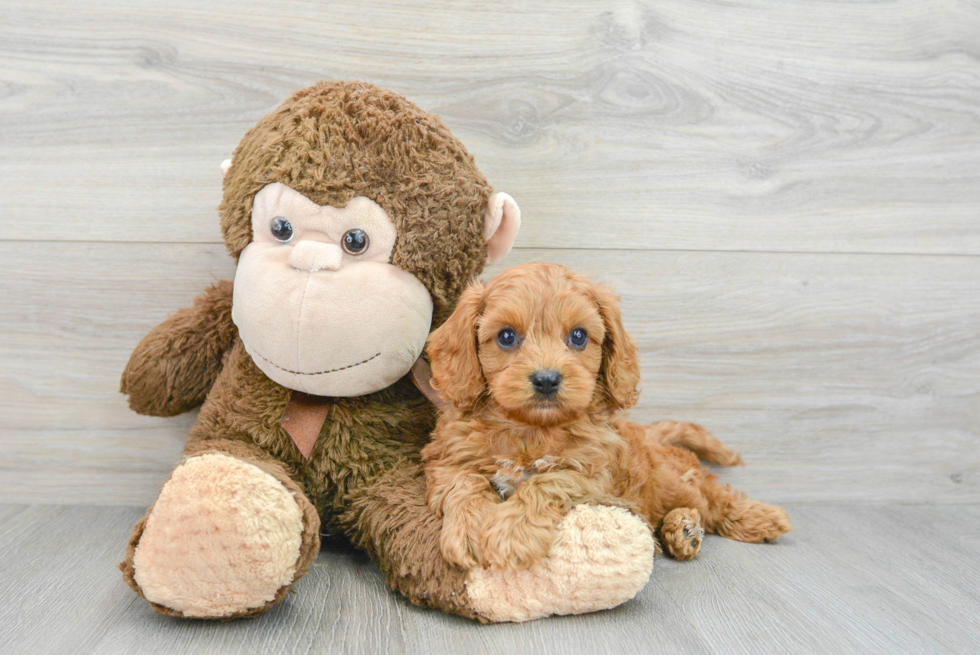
(578, 338)
(281, 229)
(355, 241)
(507, 338)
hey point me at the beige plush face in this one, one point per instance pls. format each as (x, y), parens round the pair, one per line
(318, 305)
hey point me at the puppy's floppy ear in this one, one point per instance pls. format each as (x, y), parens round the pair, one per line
(456, 371)
(620, 373)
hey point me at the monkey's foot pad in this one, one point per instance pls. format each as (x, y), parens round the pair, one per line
(601, 558)
(223, 538)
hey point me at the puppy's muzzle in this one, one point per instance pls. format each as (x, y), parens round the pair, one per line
(546, 382)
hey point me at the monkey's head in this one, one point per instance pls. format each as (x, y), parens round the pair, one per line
(357, 220)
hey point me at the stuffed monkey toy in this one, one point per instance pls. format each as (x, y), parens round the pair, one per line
(356, 220)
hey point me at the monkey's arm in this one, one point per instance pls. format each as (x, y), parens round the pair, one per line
(174, 366)
(604, 558)
(391, 518)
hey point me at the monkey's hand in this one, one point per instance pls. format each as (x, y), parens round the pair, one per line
(174, 366)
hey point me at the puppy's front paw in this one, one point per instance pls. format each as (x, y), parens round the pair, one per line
(682, 533)
(509, 541)
(460, 544)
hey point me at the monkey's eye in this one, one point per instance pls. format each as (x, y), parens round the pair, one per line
(281, 229)
(578, 338)
(507, 338)
(355, 241)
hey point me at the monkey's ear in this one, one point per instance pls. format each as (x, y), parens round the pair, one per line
(501, 225)
(225, 165)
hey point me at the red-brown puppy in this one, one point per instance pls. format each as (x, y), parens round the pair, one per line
(536, 365)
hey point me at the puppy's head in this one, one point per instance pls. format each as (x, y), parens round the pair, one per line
(540, 343)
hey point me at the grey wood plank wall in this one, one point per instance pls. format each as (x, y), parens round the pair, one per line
(786, 195)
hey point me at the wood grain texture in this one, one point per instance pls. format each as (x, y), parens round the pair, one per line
(58, 577)
(869, 579)
(823, 126)
(838, 377)
(862, 579)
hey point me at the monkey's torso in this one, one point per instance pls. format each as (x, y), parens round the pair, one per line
(361, 438)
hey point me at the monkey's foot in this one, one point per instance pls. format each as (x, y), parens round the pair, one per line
(681, 533)
(601, 558)
(225, 539)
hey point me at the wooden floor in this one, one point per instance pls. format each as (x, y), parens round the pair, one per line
(785, 194)
(849, 578)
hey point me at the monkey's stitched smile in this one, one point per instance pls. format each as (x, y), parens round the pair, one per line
(332, 370)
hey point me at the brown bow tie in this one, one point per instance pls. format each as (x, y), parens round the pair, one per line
(305, 413)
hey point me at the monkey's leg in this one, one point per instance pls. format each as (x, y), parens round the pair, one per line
(227, 537)
(602, 556)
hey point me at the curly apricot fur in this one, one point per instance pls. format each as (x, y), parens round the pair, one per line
(550, 452)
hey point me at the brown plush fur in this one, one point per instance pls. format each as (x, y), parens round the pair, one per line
(546, 453)
(159, 384)
(331, 142)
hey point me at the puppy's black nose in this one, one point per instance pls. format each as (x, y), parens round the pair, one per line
(546, 381)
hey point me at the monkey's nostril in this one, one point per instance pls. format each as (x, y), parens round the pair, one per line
(546, 382)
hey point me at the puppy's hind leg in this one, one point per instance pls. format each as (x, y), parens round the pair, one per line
(694, 438)
(681, 533)
(733, 515)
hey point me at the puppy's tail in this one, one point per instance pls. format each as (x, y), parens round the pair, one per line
(694, 438)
